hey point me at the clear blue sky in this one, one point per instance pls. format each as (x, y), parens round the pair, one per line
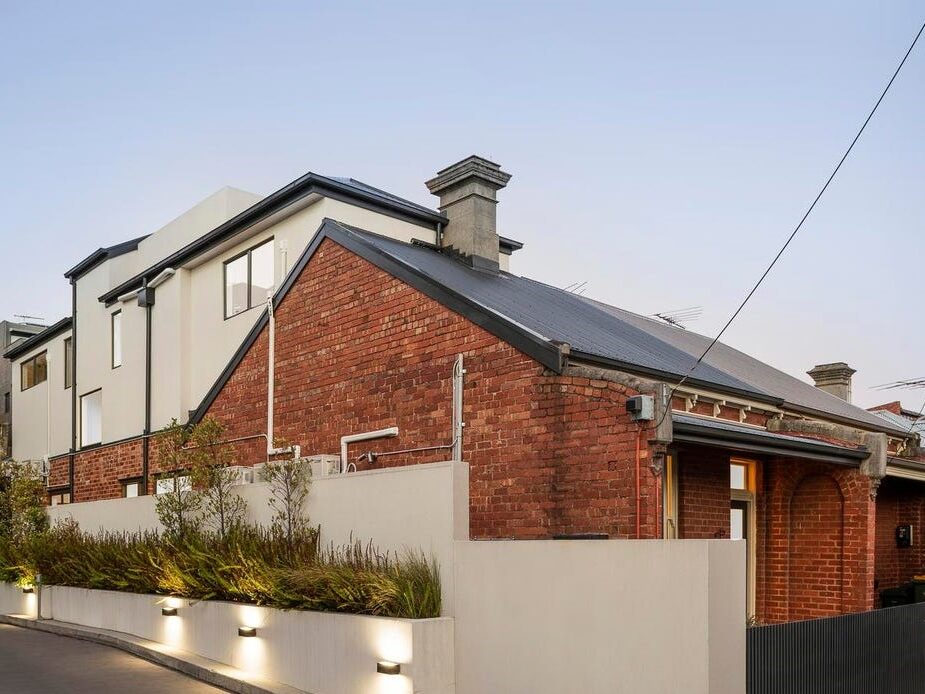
(660, 152)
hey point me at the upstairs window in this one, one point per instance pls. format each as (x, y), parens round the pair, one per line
(68, 363)
(91, 418)
(34, 371)
(249, 279)
(117, 339)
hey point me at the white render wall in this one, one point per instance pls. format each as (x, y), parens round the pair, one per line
(601, 616)
(416, 508)
(531, 617)
(35, 433)
(191, 339)
(318, 652)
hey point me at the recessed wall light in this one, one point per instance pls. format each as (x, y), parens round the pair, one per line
(247, 631)
(169, 611)
(386, 667)
(28, 589)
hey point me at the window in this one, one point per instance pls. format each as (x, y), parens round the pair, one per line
(58, 498)
(670, 498)
(131, 488)
(249, 279)
(117, 339)
(68, 364)
(165, 485)
(34, 371)
(7, 403)
(91, 418)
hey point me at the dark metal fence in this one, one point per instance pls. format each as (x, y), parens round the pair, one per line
(881, 652)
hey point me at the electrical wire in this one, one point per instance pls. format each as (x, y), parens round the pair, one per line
(796, 229)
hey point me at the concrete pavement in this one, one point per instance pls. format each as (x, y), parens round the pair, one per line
(35, 662)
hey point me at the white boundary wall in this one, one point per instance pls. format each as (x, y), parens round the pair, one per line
(537, 617)
(313, 651)
(423, 508)
(601, 616)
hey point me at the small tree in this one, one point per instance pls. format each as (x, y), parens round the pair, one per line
(178, 509)
(22, 501)
(290, 481)
(223, 510)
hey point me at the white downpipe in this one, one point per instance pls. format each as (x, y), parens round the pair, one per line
(365, 436)
(271, 388)
(271, 376)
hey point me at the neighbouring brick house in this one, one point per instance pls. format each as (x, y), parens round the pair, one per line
(369, 323)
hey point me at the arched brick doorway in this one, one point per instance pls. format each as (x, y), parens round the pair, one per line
(817, 546)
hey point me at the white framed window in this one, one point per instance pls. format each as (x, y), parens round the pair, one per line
(117, 339)
(131, 488)
(249, 278)
(59, 498)
(165, 485)
(91, 418)
(68, 362)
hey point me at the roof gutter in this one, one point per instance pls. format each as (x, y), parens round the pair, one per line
(37, 340)
(750, 442)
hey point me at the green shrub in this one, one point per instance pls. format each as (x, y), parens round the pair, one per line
(250, 564)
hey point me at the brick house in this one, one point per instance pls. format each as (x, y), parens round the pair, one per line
(368, 327)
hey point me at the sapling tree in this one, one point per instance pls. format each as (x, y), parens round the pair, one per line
(290, 481)
(223, 510)
(178, 509)
(22, 496)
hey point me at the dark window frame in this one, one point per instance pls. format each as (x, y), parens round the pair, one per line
(112, 340)
(246, 253)
(22, 365)
(68, 362)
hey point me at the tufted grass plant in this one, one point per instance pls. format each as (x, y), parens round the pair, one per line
(251, 564)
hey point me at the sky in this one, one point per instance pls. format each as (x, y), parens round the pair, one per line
(660, 152)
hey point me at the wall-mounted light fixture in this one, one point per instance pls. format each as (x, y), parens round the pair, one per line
(169, 611)
(386, 667)
(247, 631)
(28, 589)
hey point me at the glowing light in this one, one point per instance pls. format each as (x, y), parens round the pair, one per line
(387, 667)
(250, 654)
(251, 616)
(393, 642)
(247, 631)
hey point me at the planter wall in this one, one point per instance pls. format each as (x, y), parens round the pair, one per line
(318, 652)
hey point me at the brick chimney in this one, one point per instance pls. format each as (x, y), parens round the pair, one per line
(833, 378)
(468, 197)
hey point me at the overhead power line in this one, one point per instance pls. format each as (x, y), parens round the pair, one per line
(799, 226)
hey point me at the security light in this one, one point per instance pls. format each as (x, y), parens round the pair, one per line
(247, 631)
(385, 667)
(28, 589)
(169, 611)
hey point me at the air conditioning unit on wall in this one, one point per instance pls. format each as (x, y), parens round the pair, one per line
(323, 464)
(241, 474)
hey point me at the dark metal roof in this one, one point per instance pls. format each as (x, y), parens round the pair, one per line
(19, 348)
(345, 190)
(103, 254)
(714, 432)
(539, 319)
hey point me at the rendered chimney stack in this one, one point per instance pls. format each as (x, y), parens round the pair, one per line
(468, 197)
(833, 378)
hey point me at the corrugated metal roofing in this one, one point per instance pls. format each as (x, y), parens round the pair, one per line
(613, 334)
(901, 422)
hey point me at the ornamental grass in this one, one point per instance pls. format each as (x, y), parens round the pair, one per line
(252, 565)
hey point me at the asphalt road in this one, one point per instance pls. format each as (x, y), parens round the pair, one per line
(35, 662)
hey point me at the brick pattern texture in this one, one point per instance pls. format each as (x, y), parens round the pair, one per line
(899, 502)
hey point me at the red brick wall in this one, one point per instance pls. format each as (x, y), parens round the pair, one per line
(358, 350)
(817, 545)
(899, 502)
(803, 519)
(703, 494)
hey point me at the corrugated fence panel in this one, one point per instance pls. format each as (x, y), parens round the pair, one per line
(881, 652)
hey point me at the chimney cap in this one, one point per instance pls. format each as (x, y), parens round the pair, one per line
(464, 170)
(836, 370)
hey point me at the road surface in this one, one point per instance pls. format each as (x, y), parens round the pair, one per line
(35, 662)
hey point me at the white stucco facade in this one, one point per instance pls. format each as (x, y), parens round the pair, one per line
(191, 338)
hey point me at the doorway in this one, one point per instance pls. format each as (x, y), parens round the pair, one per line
(742, 522)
